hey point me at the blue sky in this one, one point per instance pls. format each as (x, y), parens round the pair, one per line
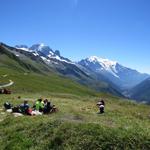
(114, 29)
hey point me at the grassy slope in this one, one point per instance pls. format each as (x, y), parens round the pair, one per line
(52, 83)
(125, 125)
(32, 76)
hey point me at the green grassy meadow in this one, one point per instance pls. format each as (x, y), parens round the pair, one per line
(29, 82)
(77, 125)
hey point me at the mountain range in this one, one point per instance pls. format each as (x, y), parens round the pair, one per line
(141, 92)
(28, 61)
(125, 78)
(96, 73)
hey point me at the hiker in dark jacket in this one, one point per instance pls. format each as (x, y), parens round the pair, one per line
(101, 105)
(24, 107)
(49, 107)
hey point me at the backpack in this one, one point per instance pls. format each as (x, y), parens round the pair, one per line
(16, 109)
(7, 105)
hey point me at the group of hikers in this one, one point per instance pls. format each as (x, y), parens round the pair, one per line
(40, 107)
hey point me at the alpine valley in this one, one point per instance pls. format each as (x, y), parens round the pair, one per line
(97, 74)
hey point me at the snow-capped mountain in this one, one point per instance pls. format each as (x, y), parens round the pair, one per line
(99, 68)
(99, 64)
(41, 59)
(122, 76)
(23, 47)
(45, 52)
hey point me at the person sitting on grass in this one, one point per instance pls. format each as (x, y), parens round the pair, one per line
(45, 102)
(48, 107)
(39, 105)
(24, 107)
(101, 105)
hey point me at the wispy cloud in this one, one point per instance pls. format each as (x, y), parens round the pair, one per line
(74, 2)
